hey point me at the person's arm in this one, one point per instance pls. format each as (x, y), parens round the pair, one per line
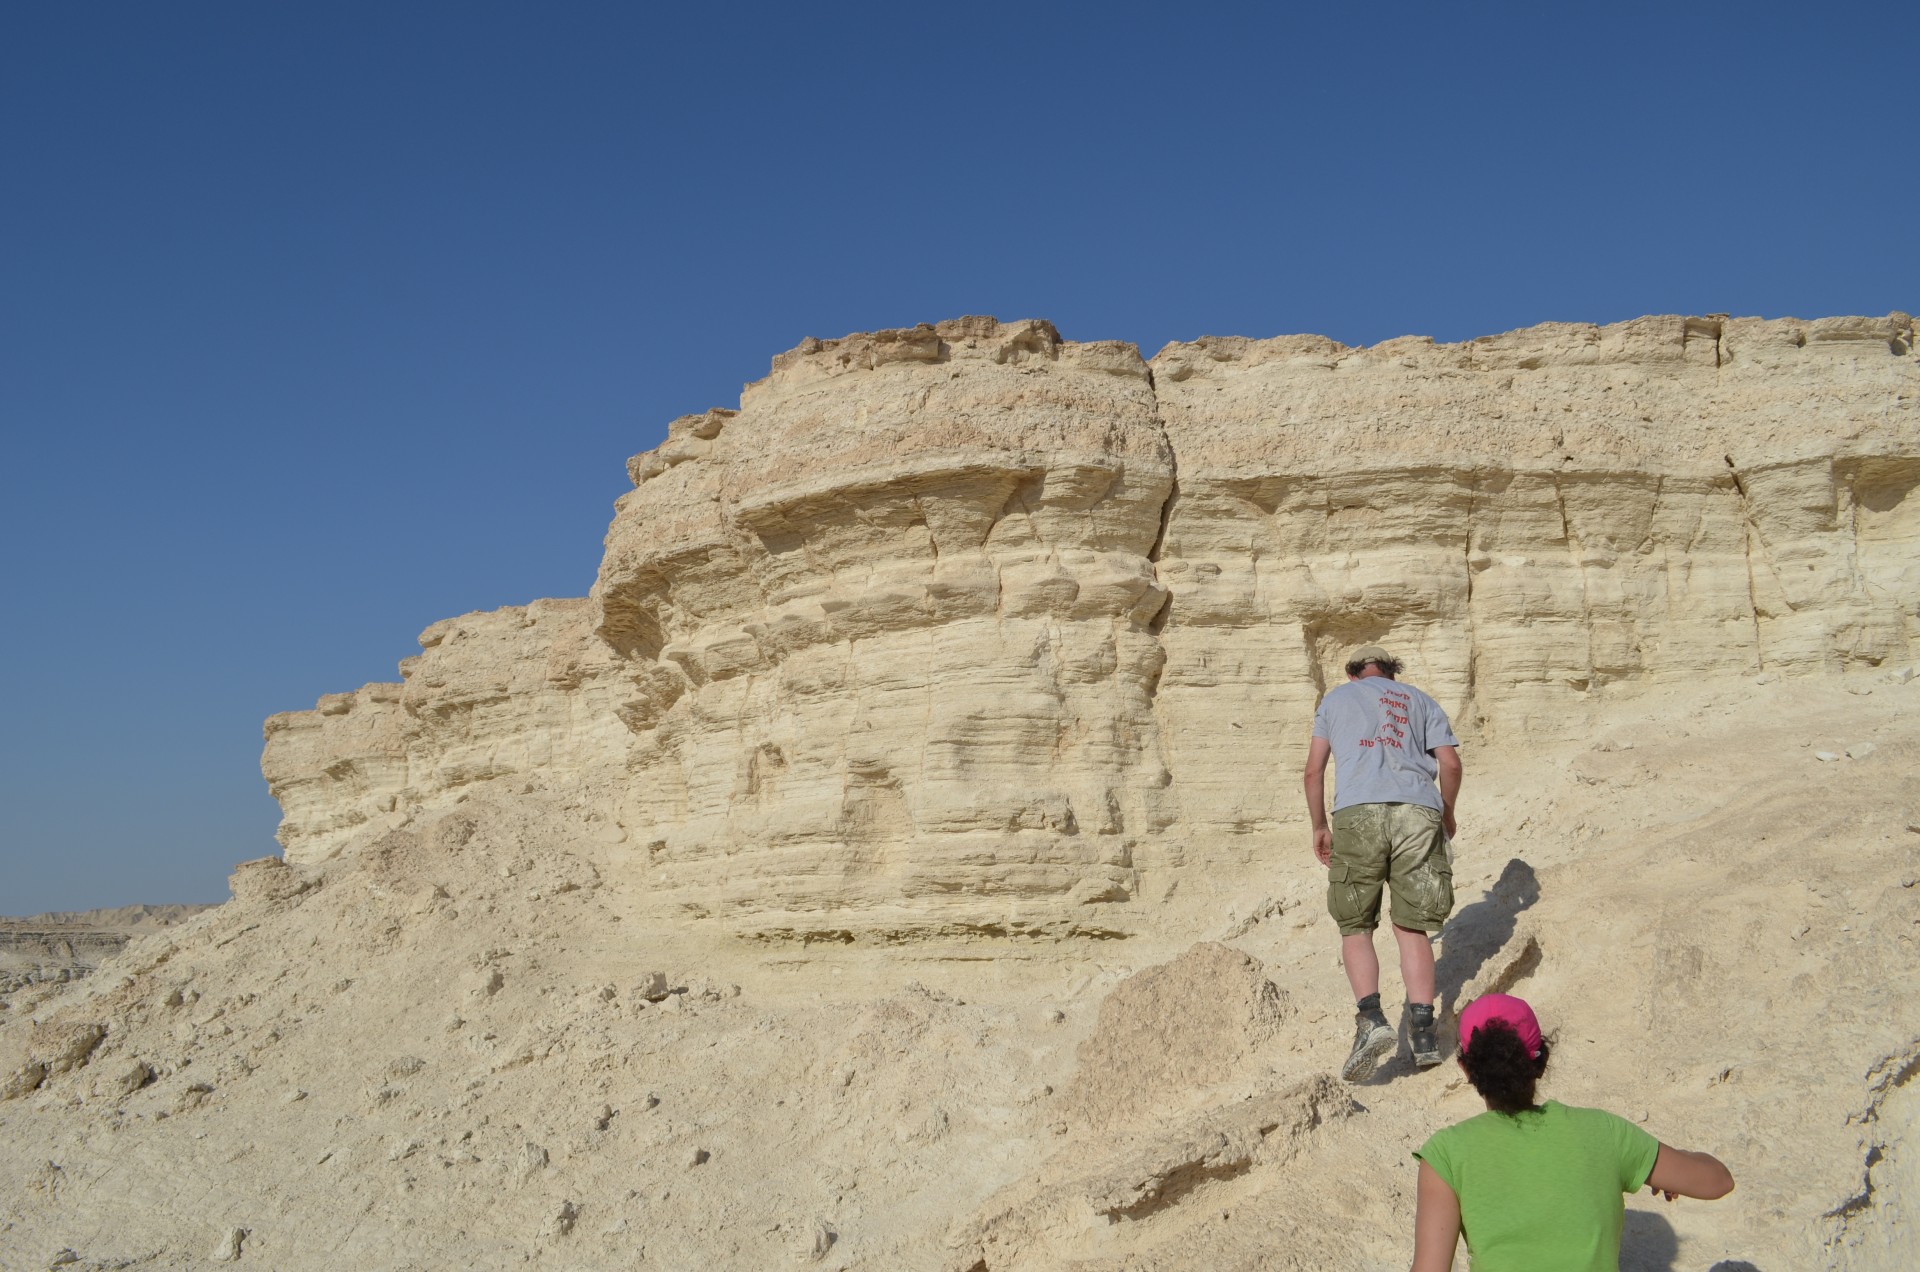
(1448, 758)
(1679, 1173)
(1436, 1223)
(1316, 784)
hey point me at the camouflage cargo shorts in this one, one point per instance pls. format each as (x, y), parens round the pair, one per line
(1402, 847)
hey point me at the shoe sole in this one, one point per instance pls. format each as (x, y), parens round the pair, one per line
(1426, 1059)
(1366, 1057)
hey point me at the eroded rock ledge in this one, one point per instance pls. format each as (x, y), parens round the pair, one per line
(970, 629)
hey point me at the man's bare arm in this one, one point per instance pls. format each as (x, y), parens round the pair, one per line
(1315, 781)
(1448, 758)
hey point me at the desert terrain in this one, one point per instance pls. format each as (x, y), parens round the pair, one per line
(898, 860)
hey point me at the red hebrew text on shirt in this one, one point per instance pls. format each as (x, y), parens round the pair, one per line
(1397, 703)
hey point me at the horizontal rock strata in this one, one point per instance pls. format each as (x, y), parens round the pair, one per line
(967, 629)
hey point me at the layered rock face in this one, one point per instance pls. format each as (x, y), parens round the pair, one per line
(969, 629)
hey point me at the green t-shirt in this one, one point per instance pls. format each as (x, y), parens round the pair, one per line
(1541, 1191)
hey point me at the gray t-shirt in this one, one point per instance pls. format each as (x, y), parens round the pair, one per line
(1383, 734)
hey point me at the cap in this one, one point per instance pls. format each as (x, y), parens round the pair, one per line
(1503, 1007)
(1368, 654)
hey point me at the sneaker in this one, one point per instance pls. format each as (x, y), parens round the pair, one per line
(1422, 1034)
(1372, 1040)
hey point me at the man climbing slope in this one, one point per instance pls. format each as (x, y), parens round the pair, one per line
(1390, 828)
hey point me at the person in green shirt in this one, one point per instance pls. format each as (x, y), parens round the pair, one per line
(1537, 1187)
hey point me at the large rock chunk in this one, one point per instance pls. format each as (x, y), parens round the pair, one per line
(1168, 1034)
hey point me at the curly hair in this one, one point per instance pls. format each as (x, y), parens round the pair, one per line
(1500, 1069)
(1389, 667)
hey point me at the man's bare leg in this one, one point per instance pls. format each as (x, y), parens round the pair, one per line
(1416, 964)
(1416, 971)
(1372, 1038)
(1363, 964)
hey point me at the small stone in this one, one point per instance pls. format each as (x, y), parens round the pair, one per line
(652, 987)
(1913, 825)
(63, 1258)
(1765, 678)
(1901, 676)
(698, 1157)
(1826, 757)
(816, 1239)
(1860, 750)
(1056, 1017)
(651, 1102)
(427, 898)
(23, 1081)
(123, 1079)
(227, 1248)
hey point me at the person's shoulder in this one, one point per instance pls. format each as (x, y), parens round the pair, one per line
(1420, 693)
(1589, 1119)
(1443, 1143)
(1340, 692)
(1465, 1129)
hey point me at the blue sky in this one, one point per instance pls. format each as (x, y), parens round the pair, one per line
(321, 323)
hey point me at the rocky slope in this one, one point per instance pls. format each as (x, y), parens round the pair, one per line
(64, 946)
(896, 863)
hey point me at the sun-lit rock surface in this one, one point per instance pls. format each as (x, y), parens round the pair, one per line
(967, 628)
(897, 861)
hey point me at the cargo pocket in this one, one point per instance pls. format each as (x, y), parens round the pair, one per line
(1352, 901)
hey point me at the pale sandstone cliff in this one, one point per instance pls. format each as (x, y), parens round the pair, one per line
(967, 628)
(962, 633)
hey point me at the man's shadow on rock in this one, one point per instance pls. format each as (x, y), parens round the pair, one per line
(1474, 934)
(1648, 1243)
(1478, 931)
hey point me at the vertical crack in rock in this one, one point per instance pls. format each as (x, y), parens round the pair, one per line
(1586, 674)
(1752, 533)
(1471, 695)
(1158, 622)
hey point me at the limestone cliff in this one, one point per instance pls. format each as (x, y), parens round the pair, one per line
(970, 629)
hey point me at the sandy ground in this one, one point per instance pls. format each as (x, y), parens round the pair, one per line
(447, 1050)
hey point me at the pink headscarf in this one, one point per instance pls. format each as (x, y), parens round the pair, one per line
(1503, 1007)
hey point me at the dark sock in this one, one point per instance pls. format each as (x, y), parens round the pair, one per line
(1422, 1013)
(1369, 1006)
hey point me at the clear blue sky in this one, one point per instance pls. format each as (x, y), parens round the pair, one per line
(319, 323)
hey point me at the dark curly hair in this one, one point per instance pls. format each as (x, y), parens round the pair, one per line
(1389, 667)
(1500, 1069)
